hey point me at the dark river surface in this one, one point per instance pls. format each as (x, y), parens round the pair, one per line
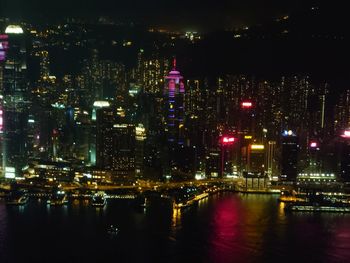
(226, 227)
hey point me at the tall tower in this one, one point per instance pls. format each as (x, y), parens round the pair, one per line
(3, 49)
(15, 94)
(289, 156)
(174, 92)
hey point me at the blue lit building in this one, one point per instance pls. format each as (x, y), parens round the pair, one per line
(174, 92)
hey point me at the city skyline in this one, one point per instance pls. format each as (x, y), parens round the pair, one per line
(174, 131)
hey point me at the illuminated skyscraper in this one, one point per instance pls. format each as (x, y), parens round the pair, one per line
(139, 149)
(175, 91)
(123, 151)
(101, 150)
(289, 158)
(344, 154)
(3, 48)
(15, 93)
(271, 159)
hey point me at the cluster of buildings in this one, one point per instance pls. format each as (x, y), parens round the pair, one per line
(111, 123)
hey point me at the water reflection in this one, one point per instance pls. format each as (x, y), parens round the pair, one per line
(222, 228)
(175, 221)
(227, 236)
(281, 212)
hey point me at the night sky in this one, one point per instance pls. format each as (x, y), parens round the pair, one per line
(180, 14)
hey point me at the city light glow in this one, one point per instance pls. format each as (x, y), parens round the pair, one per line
(313, 144)
(227, 140)
(101, 104)
(13, 29)
(346, 134)
(288, 133)
(257, 147)
(247, 104)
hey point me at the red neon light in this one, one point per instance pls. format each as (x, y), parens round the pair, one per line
(227, 140)
(346, 134)
(247, 104)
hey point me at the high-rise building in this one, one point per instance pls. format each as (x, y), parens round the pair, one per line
(101, 151)
(139, 150)
(256, 159)
(271, 163)
(212, 163)
(16, 101)
(342, 112)
(175, 91)
(123, 151)
(115, 143)
(344, 153)
(289, 157)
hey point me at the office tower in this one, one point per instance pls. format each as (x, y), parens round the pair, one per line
(289, 156)
(256, 159)
(174, 92)
(15, 94)
(140, 137)
(342, 112)
(314, 161)
(3, 48)
(247, 120)
(115, 143)
(344, 154)
(33, 139)
(212, 163)
(123, 151)
(271, 163)
(82, 135)
(345, 162)
(316, 111)
(245, 132)
(101, 148)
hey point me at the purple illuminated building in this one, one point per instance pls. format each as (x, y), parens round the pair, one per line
(3, 47)
(174, 92)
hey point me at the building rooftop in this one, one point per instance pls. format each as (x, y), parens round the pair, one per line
(14, 29)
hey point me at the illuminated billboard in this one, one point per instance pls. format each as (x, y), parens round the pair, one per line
(247, 104)
(257, 147)
(227, 140)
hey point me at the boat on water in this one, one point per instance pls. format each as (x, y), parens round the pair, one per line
(113, 230)
(319, 203)
(58, 198)
(317, 208)
(146, 203)
(99, 199)
(17, 198)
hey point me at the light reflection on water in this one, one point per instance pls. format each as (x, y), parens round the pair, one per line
(222, 228)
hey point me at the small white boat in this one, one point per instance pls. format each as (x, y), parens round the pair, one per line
(57, 199)
(113, 230)
(17, 198)
(99, 199)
